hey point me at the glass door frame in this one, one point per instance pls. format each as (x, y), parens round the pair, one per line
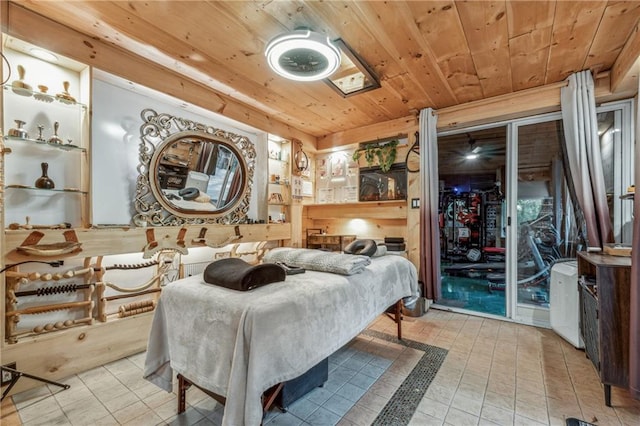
(520, 312)
(624, 149)
(623, 170)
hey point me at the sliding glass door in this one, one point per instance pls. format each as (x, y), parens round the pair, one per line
(506, 216)
(472, 223)
(541, 210)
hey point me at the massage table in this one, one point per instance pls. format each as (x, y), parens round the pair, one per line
(239, 344)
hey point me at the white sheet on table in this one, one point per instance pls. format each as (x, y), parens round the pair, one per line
(238, 344)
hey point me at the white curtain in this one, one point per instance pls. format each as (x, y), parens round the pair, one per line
(584, 159)
(429, 229)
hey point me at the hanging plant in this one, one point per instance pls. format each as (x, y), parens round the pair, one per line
(384, 153)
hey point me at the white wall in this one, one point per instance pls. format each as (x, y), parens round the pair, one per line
(117, 105)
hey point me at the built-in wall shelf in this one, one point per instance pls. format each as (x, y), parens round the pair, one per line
(44, 97)
(42, 143)
(33, 188)
(369, 210)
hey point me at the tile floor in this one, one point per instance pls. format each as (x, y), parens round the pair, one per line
(496, 373)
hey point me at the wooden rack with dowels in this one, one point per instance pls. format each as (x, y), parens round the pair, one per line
(17, 284)
(136, 308)
(163, 263)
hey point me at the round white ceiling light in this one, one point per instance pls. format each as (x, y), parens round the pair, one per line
(303, 55)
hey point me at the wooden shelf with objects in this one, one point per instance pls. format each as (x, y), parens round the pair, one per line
(279, 182)
(377, 218)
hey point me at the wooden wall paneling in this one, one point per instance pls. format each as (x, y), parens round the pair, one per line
(60, 355)
(526, 102)
(485, 26)
(97, 242)
(609, 39)
(296, 220)
(574, 22)
(395, 128)
(530, 25)
(624, 74)
(413, 215)
(366, 227)
(370, 210)
(70, 43)
(440, 26)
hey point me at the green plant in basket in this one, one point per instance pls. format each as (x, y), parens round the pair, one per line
(384, 153)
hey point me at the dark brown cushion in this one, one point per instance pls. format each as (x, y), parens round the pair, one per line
(362, 247)
(236, 274)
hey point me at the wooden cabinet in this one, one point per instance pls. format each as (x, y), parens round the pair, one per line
(605, 283)
(332, 242)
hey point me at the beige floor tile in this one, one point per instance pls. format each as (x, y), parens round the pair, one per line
(519, 420)
(433, 408)
(533, 409)
(360, 415)
(468, 405)
(496, 373)
(461, 418)
(106, 421)
(41, 407)
(422, 419)
(160, 398)
(497, 415)
(49, 420)
(506, 402)
(118, 403)
(86, 413)
(132, 411)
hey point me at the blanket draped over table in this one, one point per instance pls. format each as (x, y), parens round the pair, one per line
(239, 344)
(318, 260)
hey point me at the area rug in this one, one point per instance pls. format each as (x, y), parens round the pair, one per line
(357, 371)
(405, 400)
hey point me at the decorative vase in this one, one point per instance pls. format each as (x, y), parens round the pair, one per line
(44, 182)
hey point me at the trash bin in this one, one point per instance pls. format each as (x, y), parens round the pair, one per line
(414, 306)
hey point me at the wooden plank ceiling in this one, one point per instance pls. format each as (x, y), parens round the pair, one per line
(426, 54)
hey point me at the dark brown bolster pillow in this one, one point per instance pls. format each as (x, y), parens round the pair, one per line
(236, 274)
(362, 247)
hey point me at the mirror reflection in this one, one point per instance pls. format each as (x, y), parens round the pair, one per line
(191, 173)
(199, 175)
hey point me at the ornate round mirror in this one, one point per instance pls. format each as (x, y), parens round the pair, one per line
(191, 173)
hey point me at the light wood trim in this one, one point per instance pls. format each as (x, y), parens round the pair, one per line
(102, 242)
(388, 129)
(518, 104)
(77, 349)
(368, 210)
(67, 42)
(627, 62)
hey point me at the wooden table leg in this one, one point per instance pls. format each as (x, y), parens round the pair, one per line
(607, 395)
(183, 385)
(399, 318)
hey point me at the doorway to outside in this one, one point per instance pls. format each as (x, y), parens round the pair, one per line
(505, 213)
(472, 168)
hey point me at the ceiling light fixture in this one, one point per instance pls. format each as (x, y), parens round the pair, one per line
(43, 54)
(303, 55)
